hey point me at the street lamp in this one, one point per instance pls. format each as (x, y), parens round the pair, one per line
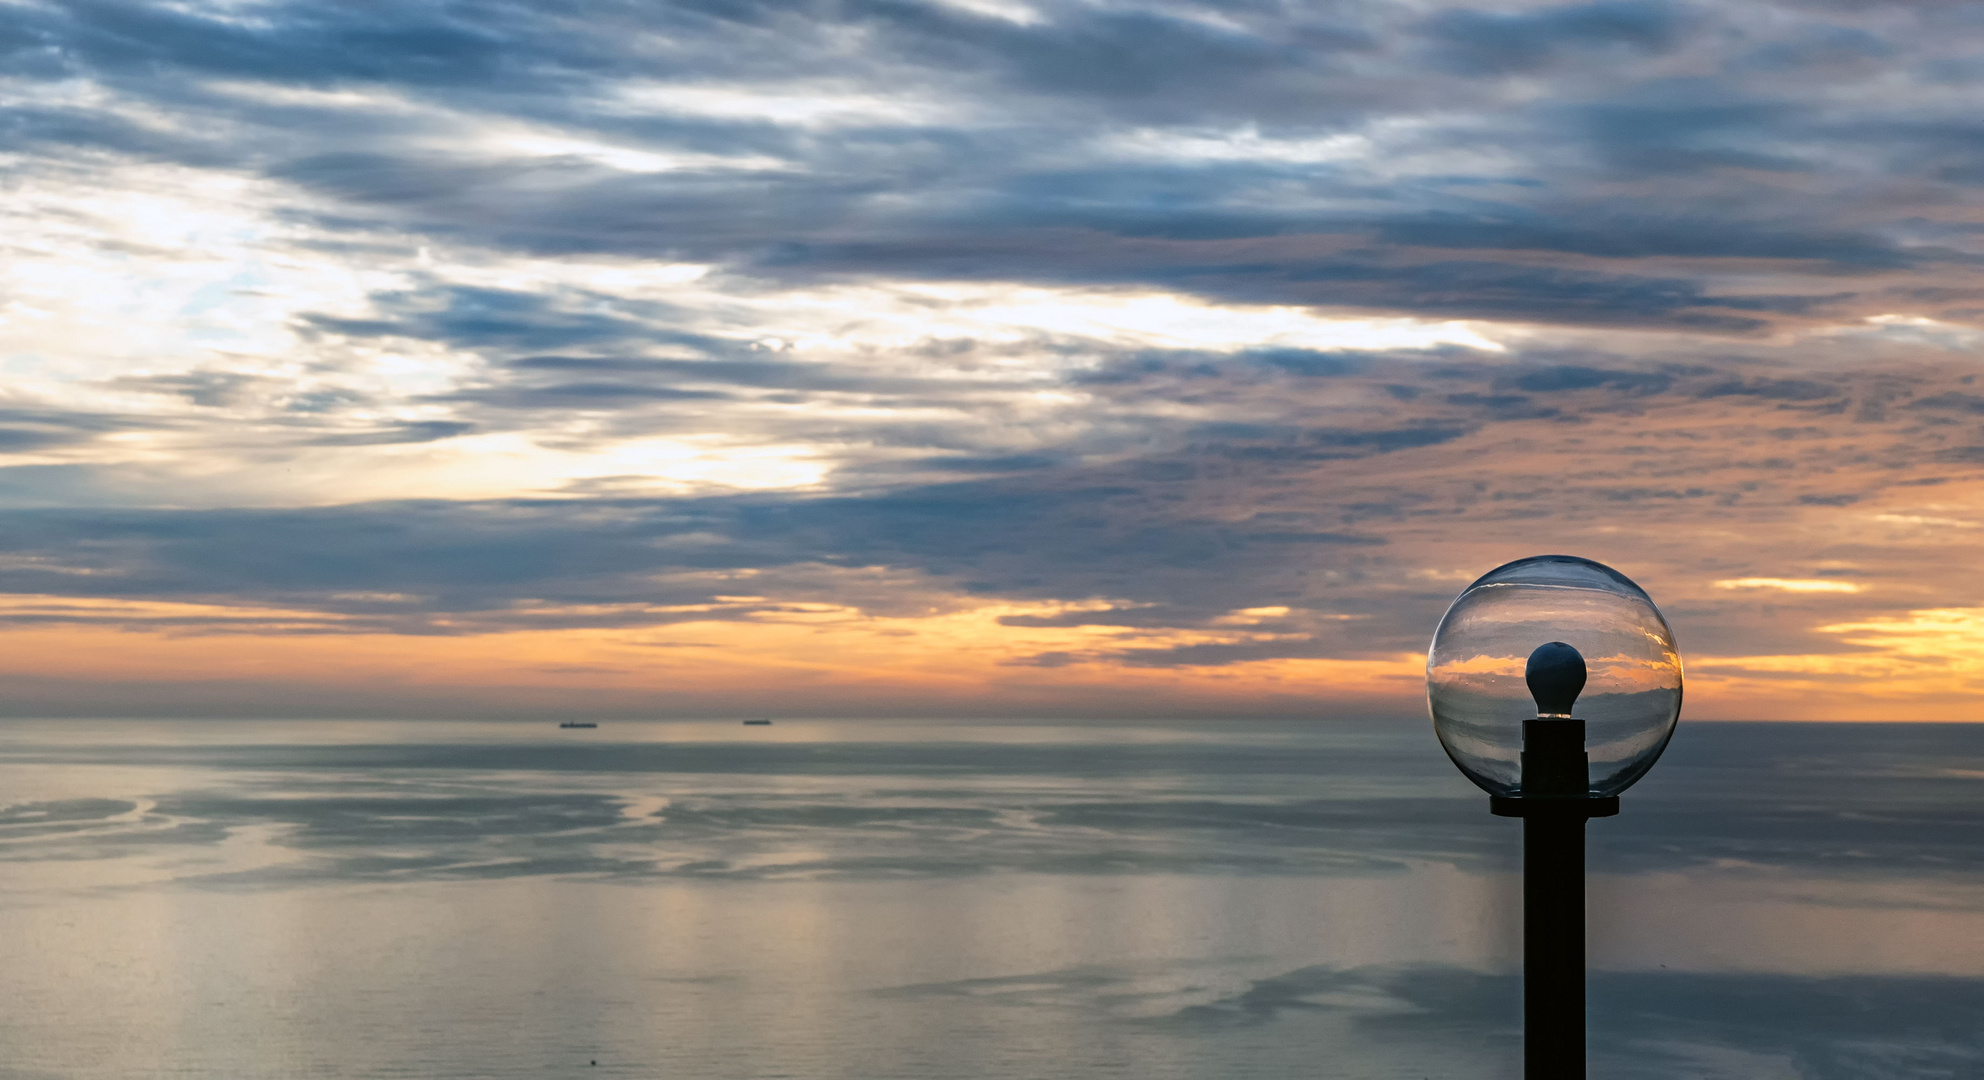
(1516, 653)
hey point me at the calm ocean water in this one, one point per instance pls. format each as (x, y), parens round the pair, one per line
(830, 900)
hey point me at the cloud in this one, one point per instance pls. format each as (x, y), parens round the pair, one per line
(1485, 43)
(26, 430)
(568, 162)
(416, 432)
(574, 319)
(1794, 585)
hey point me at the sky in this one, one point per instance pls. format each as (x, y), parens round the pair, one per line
(977, 357)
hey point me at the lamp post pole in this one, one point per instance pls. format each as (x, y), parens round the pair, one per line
(1554, 805)
(1553, 930)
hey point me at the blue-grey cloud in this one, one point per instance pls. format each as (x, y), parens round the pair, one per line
(1493, 43)
(1025, 195)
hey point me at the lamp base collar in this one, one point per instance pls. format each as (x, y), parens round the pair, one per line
(1573, 807)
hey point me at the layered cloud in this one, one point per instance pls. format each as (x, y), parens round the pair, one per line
(863, 355)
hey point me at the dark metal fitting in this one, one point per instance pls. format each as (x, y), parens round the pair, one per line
(1539, 806)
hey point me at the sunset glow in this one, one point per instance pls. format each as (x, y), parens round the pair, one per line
(901, 365)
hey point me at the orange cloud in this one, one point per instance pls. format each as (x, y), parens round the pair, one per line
(1925, 665)
(801, 658)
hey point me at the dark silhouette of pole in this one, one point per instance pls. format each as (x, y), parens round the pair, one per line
(1553, 943)
(1554, 803)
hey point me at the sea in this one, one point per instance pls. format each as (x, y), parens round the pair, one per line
(942, 900)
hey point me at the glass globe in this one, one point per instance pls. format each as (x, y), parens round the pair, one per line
(1475, 670)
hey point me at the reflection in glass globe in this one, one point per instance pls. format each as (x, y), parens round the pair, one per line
(1475, 670)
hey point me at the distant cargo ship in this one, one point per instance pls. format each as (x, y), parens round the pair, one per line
(757, 722)
(578, 723)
